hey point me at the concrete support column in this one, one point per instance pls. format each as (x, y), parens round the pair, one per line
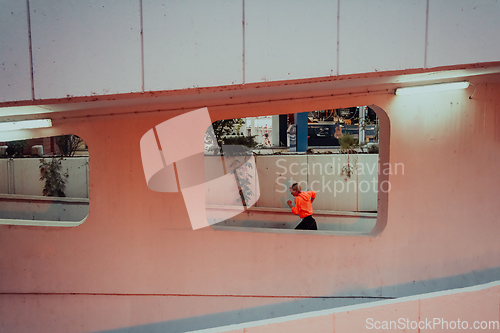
(275, 136)
(361, 128)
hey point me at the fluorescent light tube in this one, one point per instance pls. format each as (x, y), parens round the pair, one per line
(431, 88)
(24, 124)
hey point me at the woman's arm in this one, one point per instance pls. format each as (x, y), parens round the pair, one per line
(295, 209)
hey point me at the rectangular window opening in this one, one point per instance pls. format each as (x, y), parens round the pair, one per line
(44, 181)
(334, 153)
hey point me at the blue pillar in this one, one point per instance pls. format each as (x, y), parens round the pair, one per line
(301, 121)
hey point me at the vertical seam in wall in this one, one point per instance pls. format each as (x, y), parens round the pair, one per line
(8, 176)
(30, 50)
(243, 35)
(160, 150)
(426, 33)
(87, 178)
(357, 182)
(142, 45)
(155, 133)
(309, 187)
(12, 189)
(338, 37)
(176, 177)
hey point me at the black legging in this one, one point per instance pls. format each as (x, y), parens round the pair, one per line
(308, 223)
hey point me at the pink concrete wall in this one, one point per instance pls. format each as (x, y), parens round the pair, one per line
(136, 260)
(457, 310)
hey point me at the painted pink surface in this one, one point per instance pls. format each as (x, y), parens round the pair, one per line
(442, 221)
(92, 313)
(473, 308)
(321, 324)
(376, 318)
(416, 315)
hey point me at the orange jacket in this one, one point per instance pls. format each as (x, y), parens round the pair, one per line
(303, 204)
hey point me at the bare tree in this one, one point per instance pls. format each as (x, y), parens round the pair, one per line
(68, 144)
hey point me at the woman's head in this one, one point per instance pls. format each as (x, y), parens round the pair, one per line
(295, 189)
